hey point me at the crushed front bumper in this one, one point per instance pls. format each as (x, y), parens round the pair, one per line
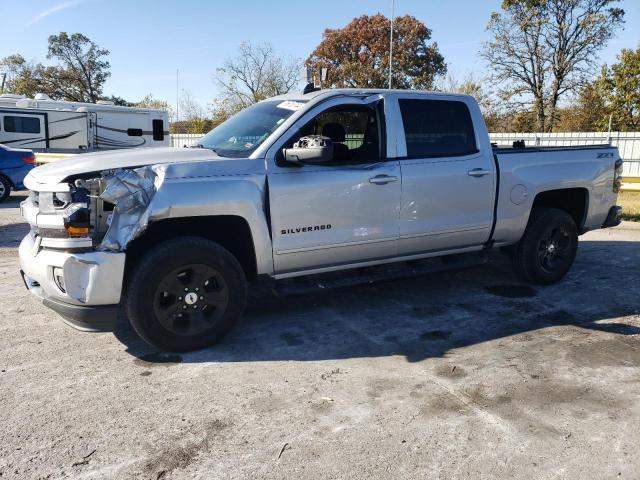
(89, 296)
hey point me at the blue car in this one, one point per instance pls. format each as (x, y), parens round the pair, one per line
(15, 163)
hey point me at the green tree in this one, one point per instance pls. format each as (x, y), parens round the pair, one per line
(620, 86)
(543, 49)
(83, 69)
(358, 54)
(587, 113)
(79, 75)
(20, 75)
(121, 102)
(149, 101)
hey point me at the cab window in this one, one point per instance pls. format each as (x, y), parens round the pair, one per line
(437, 128)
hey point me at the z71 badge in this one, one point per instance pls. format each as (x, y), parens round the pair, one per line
(315, 228)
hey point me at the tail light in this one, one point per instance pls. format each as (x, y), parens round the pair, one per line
(29, 159)
(617, 176)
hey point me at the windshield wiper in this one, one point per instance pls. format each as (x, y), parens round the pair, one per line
(199, 145)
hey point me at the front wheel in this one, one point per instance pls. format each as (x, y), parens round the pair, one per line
(185, 294)
(5, 188)
(546, 251)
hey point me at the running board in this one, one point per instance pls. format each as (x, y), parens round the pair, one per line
(381, 273)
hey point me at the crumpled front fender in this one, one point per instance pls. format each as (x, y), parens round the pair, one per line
(150, 194)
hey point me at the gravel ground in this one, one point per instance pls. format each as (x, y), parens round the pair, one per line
(456, 375)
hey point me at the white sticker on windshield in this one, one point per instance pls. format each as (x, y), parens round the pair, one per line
(290, 105)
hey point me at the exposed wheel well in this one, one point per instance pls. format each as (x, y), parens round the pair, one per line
(231, 232)
(574, 201)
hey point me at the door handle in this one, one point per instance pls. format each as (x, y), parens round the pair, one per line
(383, 179)
(478, 172)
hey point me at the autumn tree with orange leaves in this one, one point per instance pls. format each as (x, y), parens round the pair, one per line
(358, 54)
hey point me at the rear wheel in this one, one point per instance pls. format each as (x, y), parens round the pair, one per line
(5, 188)
(185, 294)
(548, 247)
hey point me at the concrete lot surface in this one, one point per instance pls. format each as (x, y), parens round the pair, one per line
(466, 374)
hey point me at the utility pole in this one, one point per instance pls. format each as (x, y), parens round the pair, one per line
(4, 78)
(393, 7)
(177, 99)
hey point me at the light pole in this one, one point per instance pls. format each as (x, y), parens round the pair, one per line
(393, 6)
(177, 98)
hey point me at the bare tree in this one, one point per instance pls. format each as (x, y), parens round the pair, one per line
(194, 117)
(255, 73)
(468, 85)
(543, 49)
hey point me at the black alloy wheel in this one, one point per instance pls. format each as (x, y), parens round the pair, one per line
(185, 294)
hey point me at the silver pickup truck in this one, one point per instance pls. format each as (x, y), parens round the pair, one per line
(300, 185)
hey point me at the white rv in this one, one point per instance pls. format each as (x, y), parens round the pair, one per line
(46, 125)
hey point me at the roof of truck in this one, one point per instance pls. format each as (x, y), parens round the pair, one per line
(299, 96)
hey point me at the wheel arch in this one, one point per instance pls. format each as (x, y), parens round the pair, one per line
(230, 231)
(574, 201)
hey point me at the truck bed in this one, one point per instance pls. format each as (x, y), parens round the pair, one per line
(526, 173)
(559, 148)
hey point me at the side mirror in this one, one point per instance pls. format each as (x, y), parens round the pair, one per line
(310, 149)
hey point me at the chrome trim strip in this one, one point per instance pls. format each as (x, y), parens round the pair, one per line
(336, 245)
(444, 232)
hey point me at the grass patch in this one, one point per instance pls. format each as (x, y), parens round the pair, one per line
(630, 203)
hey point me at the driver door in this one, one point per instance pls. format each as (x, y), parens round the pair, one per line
(342, 212)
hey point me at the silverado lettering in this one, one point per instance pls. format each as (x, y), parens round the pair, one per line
(315, 228)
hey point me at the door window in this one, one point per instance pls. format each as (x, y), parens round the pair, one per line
(21, 124)
(354, 131)
(437, 128)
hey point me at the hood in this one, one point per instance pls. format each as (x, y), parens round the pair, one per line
(55, 172)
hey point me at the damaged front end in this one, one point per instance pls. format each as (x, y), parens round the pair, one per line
(73, 258)
(101, 212)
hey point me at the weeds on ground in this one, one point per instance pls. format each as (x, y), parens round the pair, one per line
(630, 203)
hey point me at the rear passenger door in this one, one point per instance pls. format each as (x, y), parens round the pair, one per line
(448, 175)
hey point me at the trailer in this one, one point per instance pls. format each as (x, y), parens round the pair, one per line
(59, 126)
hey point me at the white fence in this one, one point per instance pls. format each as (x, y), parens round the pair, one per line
(628, 143)
(181, 140)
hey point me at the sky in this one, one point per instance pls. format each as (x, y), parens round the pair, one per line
(150, 39)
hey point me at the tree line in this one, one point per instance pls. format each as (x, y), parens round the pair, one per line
(542, 59)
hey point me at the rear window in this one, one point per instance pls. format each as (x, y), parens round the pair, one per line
(437, 128)
(22, 124)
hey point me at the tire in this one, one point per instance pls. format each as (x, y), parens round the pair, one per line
(5, 188)
(185, 294)
(546, 251)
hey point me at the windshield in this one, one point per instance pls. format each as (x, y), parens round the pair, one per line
(240, 135)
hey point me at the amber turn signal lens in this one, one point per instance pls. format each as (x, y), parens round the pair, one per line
(77, 231)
